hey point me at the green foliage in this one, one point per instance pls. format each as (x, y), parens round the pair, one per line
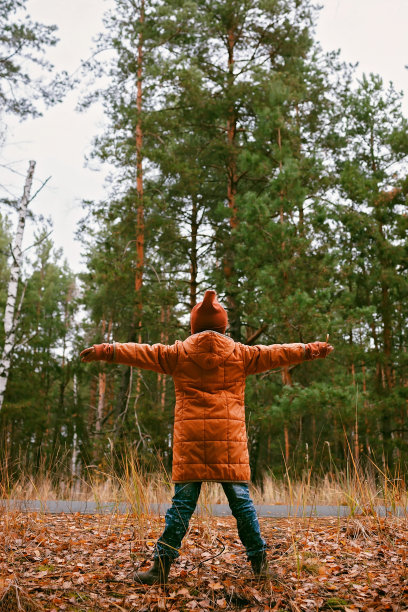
(268, 174)
(39, 411)
(316, 238)
(23, 44)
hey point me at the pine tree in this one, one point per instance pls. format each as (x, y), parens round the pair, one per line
(372, 254)
(39, 416)
(253, 144)
(23, 43)
(230, 150)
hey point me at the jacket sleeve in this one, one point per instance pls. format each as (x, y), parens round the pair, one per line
(262, 358)
(160, 358)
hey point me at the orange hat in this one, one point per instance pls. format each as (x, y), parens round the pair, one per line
(208, 314)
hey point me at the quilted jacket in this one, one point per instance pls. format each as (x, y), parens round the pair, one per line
(209, 371)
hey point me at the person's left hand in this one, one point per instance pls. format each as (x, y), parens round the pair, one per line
(319, 350)
(89, 354)
(325, 349)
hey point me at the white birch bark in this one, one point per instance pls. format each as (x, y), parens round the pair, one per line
(10, 318)
(75, 450)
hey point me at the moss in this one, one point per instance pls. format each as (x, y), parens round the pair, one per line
(335, 603)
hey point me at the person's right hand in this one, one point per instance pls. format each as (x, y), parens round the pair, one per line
(89, 354)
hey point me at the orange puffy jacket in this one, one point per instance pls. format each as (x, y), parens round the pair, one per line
(209, 372)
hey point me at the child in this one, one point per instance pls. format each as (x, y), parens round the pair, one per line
(209, 443)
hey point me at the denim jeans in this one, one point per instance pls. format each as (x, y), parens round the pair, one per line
(184, 503)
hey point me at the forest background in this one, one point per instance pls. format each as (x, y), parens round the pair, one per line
(242, 158)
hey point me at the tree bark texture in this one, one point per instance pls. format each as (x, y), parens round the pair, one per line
(233, 308)
(10, 320)
(193, 253)
(139, 179)
(164, 337)
(286, 380)
(101, 401)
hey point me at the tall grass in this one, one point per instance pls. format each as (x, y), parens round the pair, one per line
(122, 479)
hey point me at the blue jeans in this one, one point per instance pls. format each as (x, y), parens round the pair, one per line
(184, 503)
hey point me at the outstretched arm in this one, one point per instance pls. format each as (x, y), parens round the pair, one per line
(261, 358)
(157, 357)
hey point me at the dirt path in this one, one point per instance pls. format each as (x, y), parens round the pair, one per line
(282, 510)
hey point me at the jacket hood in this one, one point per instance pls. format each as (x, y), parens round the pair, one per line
(209, 349)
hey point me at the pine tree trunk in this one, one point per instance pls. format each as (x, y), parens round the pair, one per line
(367, 426)
(353, 374)
(231, 134)
(387, 333)
(140, 229)
(101, 385)
(386, 365)
(287, 447)
(193, 253)
(282, 215)
(10, 321)
(356, 441)
(101, 401)
(139, 180)
(286, 380)
(92, 402)
(229, 272)
(161, 378)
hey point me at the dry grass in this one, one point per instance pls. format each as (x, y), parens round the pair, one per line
(138, 489)
(318, 562)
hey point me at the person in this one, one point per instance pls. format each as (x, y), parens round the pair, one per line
(209, 443)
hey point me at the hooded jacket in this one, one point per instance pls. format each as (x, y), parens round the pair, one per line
(209, 371)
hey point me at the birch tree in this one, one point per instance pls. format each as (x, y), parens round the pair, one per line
(11, 314)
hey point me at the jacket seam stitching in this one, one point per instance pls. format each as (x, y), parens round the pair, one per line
(228, 422)
(171, 371)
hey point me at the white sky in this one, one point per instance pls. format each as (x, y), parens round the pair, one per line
(371, 32)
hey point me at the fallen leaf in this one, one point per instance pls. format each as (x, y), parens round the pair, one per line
(221, 603)
(183, 591)
(215, 586)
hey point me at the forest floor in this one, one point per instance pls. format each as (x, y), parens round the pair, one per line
(84, 563)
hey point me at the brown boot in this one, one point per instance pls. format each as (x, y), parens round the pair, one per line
(157, 574)
(260, 566)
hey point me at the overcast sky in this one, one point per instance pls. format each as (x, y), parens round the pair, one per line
(371, 32)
